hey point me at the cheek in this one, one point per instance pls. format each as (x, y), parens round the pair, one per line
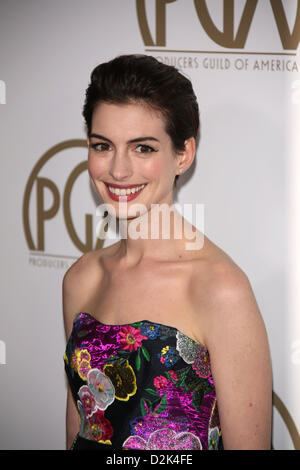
(165, 170)
(95, 167)
(160, 168)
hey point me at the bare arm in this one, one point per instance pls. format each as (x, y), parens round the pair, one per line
(240, 362)
(71, 306)
(72, 420)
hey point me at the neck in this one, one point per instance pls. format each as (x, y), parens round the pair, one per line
(158, 234)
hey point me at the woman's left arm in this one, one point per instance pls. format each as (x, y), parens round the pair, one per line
(240, 363)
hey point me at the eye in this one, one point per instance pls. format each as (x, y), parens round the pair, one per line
(145, 149)
(100, 146)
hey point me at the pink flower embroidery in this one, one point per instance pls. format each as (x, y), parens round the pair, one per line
(173, 374)
(164, 439)
(160, 382)
(83, 369)
(88, 401)
(131, 338)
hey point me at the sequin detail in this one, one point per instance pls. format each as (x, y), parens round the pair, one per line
(187, 347)
(164, 439)
(141, 386)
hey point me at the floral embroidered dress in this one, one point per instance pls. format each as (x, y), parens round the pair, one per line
(141, 386)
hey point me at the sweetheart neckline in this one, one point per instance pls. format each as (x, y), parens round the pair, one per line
(133, 323)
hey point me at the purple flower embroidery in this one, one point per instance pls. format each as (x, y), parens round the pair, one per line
(201, 364)
(164, 439)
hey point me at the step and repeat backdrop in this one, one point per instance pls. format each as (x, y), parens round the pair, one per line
(243, 60)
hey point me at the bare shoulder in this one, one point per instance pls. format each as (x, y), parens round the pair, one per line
(86, 268)
(216, 273)
(72, 289)
(230, 297)
(79, 283)
(226, 282)
(78, 272)
(221, 292)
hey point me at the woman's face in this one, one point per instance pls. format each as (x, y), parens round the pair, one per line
(129, 147)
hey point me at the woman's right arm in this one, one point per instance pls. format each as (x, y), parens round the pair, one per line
(72, 420)
(71, 296)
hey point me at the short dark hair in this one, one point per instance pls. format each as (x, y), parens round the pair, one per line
(139, 77)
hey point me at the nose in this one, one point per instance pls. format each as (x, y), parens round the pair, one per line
(120, 168)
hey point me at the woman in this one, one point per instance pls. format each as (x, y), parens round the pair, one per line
(166, 346)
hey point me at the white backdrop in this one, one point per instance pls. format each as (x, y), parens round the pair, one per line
(246, 175)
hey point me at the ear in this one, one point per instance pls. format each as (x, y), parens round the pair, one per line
(186, 157)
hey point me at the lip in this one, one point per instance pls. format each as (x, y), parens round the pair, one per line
(126, 197)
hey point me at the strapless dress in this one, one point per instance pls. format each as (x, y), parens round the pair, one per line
(143, 385)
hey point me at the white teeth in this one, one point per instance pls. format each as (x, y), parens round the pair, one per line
(123, 192)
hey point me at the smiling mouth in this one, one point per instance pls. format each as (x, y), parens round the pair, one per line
(127, 192)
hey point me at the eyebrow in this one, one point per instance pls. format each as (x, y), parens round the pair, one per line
(138, 139)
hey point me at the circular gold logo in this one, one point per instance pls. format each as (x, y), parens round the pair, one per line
(42, 215)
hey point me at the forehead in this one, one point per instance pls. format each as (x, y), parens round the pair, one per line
(128, 119)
